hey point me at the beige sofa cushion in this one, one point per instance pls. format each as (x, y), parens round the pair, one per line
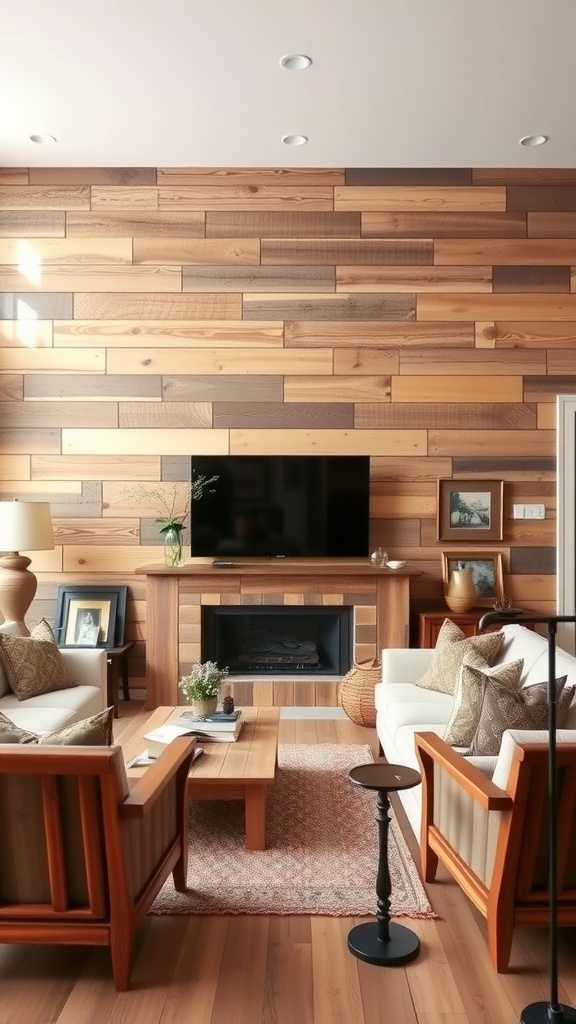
(525, 710)
(469, 695)
(34, 664)
(94, 731)
(451, 647)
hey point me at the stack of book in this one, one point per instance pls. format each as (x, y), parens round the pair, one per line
(219, 728)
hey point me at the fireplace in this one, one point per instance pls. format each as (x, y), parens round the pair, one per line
(278, 639)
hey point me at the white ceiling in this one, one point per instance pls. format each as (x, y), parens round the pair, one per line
(198, 83)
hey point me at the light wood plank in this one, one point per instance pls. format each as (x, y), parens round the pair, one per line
(32, 333)
(49, 360)
(444, 224)
(504, 251)
(495, 307)
(492, 442)
(173, 333)
(15, 467)
(233, 251)
(366, 361)
(366, 333)
(327, 442)
(446, 416)
(165, 414)
(133, 224)
(471, 361)
(36, 223)
(93, 467)
(123, 197)
(336, 389)
(245, 197)
(113, 531)
(91, 279)
(418, 197)
(224, 360)
(38, 197)
(533, 334)
(155, 305)
(473, 388)
(176, 441)
(39, 253)
(289, 176)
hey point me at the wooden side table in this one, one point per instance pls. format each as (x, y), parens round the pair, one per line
(430, 624)
(117, 659)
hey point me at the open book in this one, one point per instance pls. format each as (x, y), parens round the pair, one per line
(157, 739)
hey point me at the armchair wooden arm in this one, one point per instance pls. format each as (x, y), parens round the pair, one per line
(145, 790)
(432, 749)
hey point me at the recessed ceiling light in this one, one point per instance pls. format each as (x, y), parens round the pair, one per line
(294, 140)
(533, 140)
(296, 62)
(43, 140)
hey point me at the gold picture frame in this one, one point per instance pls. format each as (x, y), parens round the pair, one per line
(470, 510)
(487, 571)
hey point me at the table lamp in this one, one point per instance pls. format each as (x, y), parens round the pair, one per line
(24, 526)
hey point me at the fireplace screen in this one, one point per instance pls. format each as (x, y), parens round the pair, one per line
(278, 639)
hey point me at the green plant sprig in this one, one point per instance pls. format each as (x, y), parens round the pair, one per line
(203, 681)
(172, 505)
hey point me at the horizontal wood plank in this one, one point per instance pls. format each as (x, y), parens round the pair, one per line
(366, 361)
(329, 307)
(155, 306)
(50, 360)
(227, 251)
(245, 197)
(165, 414)
(133, 224)
(504, 251)
(34, 333)
(29, 441)
(495, 307)
(362, 251)
(223, 388)
(531, 279)
(281, 224)
(224, 360)
(91, 387)
(445, 416)
(286, 415)
(43, 197)
(336, 389)
(444, 361)
(32, 224)
(328, 442)
(443, 224)
(132, 441)
(472, 388)
(141, 333)
(64, 414)
(413, 279)
(492, 442)
(418, 197)
(223, 176)
(258, 279)
(94, 467)
(378, 333)
(35, 254)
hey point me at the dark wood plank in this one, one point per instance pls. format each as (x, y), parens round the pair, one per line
(408, 176)
(443, 225)
(20, 441)
(164, 414)
(264, 224)
(58, 414)
(258, 279)
(87, 503)
(82, 386)
(536, 561)
(524, 176)
(276, 415)
(551, 225)
(545, 389)
(395, 533)
(225, 388)
(531, 279)
(154, 306)
(496, 465)
(92, 175)
(32, 224)
(347, 251)
(542, 197)
(36, 305)
(133, 224)
(342, 307)
(450, 416)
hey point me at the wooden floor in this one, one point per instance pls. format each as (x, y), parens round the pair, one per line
(285, 970)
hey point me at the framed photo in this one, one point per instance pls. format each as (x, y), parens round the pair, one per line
(89, 616)
(486, 569)
(470, 510)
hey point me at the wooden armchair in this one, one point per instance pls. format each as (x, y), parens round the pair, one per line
(492, 836)
(83, 855)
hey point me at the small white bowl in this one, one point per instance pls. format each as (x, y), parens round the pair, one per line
(396, 565)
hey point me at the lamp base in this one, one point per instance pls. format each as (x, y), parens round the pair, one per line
(17, 590)
(544, 1013)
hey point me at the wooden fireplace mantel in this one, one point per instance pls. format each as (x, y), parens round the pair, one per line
(167, 589)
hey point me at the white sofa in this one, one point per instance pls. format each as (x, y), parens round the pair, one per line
(403, 709)
(51, 711)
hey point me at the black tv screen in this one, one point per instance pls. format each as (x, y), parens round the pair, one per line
(281, 506)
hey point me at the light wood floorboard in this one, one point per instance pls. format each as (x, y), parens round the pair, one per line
(281, 970)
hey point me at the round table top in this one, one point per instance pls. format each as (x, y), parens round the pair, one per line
(384, 776)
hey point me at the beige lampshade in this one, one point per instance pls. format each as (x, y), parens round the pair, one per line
(25, 526)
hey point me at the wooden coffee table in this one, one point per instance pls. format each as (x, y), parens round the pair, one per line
(227, 771)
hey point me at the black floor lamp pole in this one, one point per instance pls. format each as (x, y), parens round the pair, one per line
(540, 1013)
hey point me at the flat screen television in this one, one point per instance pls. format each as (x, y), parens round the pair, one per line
(282, 506)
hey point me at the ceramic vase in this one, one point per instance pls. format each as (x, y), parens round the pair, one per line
(461, 593)
(202, 708)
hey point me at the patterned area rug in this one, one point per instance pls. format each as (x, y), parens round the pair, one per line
(322, 847)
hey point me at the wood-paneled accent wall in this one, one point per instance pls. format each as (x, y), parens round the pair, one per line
(424, 317)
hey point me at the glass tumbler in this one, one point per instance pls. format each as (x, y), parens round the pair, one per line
(378, 558)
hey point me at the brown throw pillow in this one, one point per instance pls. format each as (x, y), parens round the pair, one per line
(90, 732)
(451, 647)
(526, 709)
(469, 694)
(34, 664)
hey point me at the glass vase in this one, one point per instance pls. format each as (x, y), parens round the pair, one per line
(173, 554)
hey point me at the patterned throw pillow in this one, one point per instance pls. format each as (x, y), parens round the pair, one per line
(469, 694)
(34, 664)
(527, 709)
(90, 732)
(451, 647)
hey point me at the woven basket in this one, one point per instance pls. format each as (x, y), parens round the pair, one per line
(356, 692)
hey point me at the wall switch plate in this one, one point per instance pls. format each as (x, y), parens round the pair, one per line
(534, 511)
(518, 511)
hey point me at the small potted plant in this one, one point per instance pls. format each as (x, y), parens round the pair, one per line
(201, 687)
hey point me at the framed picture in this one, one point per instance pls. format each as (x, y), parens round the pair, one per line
(486, 569)
(89, 616)
(470, 510)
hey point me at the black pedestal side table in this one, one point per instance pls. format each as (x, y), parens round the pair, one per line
(383, 942)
